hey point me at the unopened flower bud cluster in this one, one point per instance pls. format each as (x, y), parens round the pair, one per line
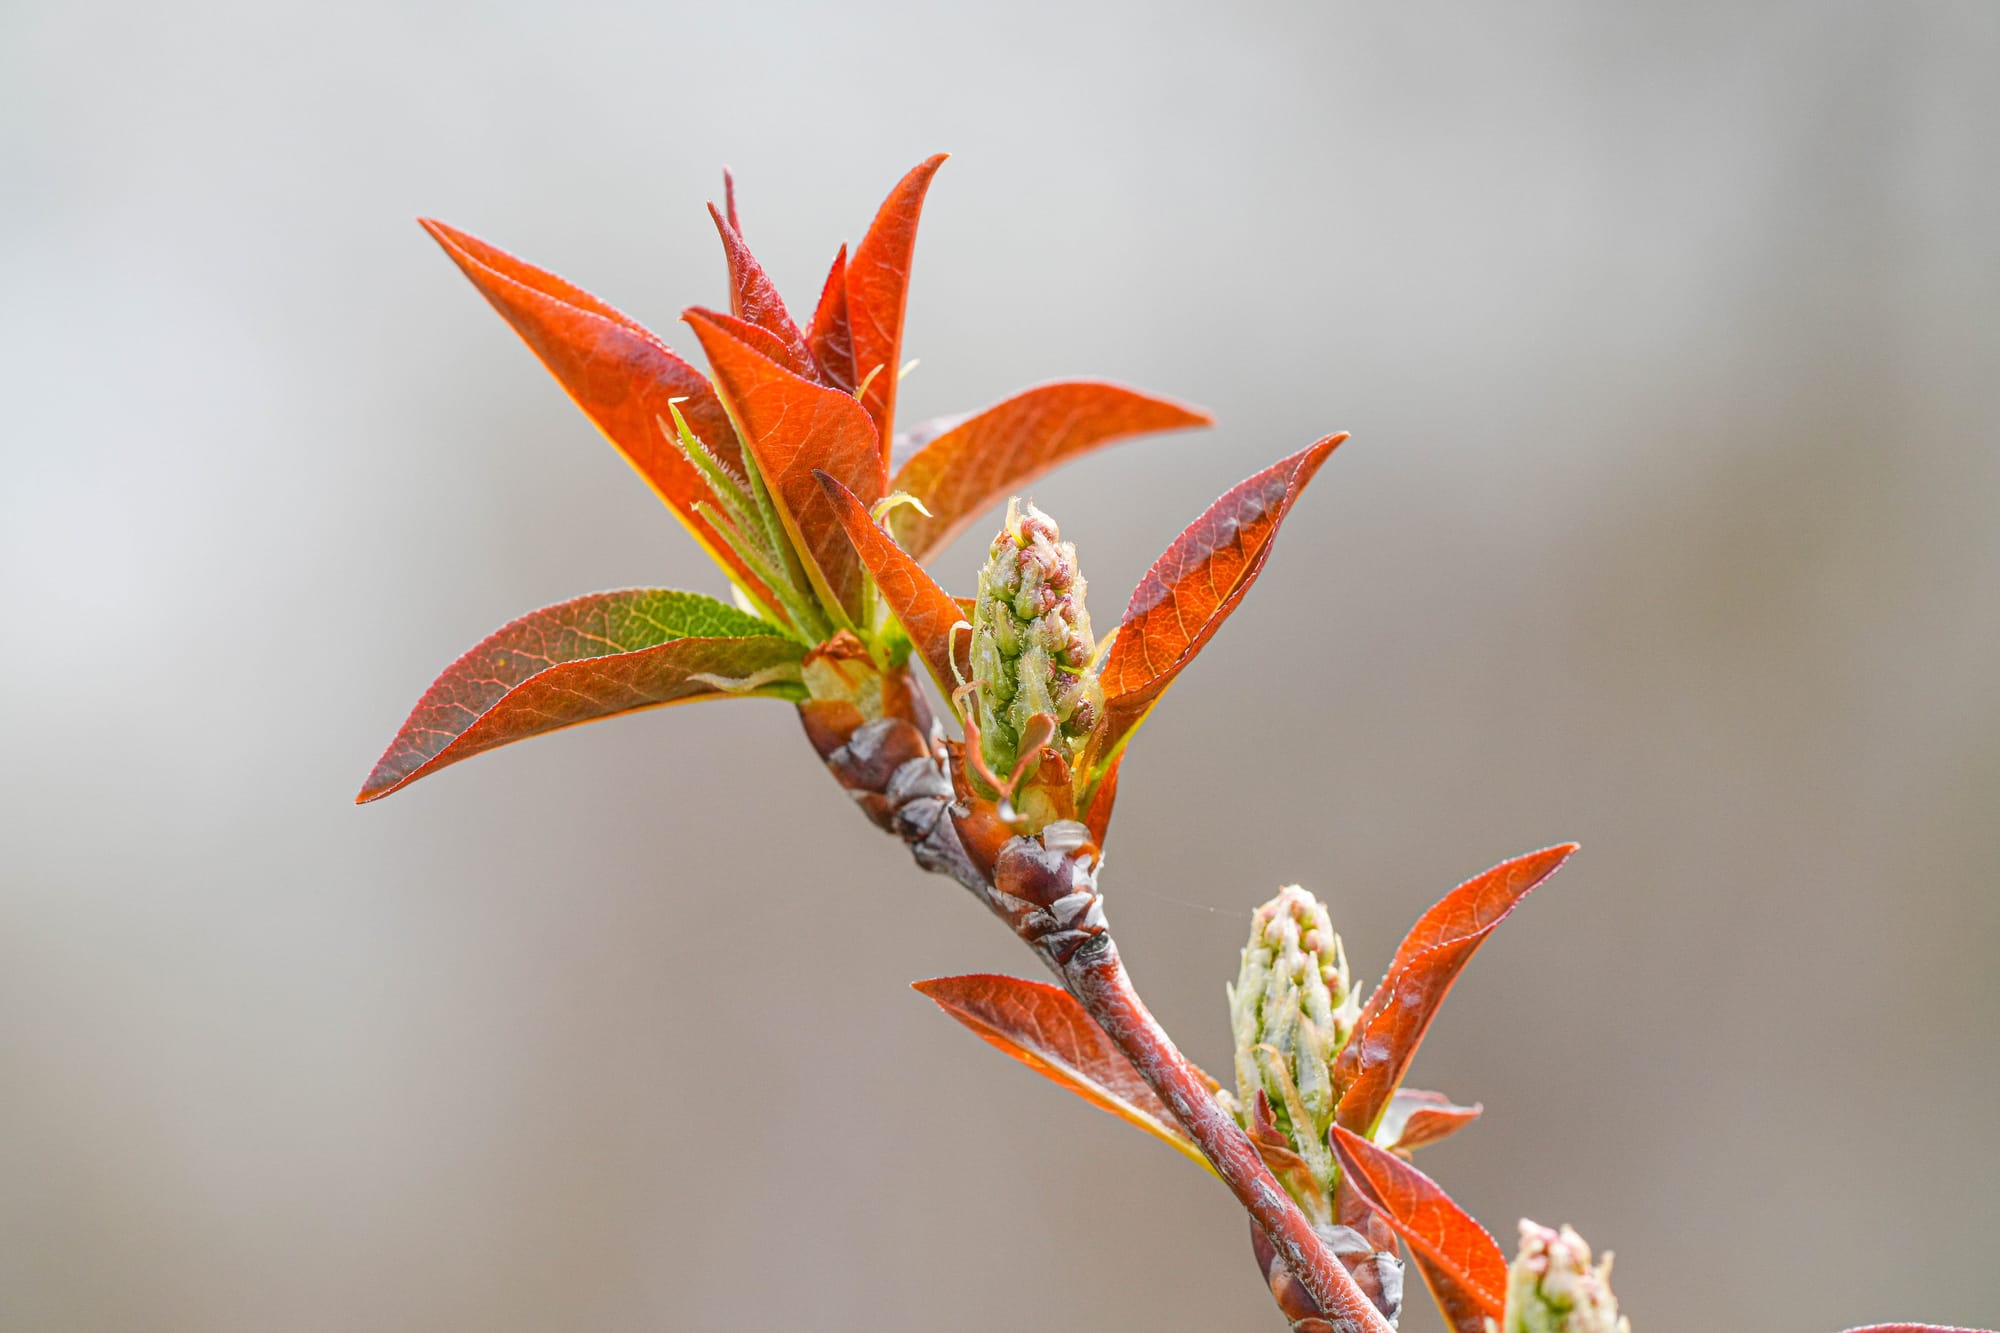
(1031, 640)
(1291, 1010)
(1552, 1287)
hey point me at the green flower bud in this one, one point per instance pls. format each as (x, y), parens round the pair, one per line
(1552, 1287)
(1291, 1010)
(1031, 645)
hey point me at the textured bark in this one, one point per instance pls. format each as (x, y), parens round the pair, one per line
(893, 766)
(1097, 977)
(899, 769)
(1371, 1260)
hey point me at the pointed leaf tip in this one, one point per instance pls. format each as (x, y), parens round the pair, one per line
(617, 371)
(829, 337)
(577, 661)
(754, 298)
(1195, 585)
(878, 281)
(729, 199)
(1394, 1020)
(1416, 1119)
(975, 463)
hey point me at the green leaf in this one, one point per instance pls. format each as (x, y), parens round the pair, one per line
(591, 657)
(791, 427)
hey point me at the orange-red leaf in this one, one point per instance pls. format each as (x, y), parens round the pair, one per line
(1192, 589)
(591, 657)
(1415, 1119)
(1097, 814)
(878, 284)
(830, 339)
(1393, 1021)
(1044, 1028)
(729, 199)
(753, 297)
(622, 376)
(1435, 1228)
(794, 427)
(926, 611)
(1463, 1312)
(984, 458)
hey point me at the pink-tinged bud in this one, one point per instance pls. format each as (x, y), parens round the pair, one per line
(1031, 651)
(1552, 1286)
(1291, 1010)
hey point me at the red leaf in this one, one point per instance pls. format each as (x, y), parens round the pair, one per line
(1462, 1311)
(1425, 1217)
(755, 337)
(1097, 814)
(1415, 1119)
(979, 461)
(1045, 1028)
(753, 297)
(729, 199)
(1393, 1021)
(909, 442)
(830, 338)
(1192, 589)
(925, 611)
(878, 282)
(793, 427)
(609, 652)
(620, 375)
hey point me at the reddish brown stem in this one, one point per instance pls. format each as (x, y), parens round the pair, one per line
(895, 768)
(1096, 976)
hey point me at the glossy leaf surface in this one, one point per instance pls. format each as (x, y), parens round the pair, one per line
(1192, 589)
(1415, 1119)
(878, 286)
(926, 611)
(580, 660)
(1426, 1218)
(984, 458)
(795, 427)
(621, 375)
(1393, 1021)
(1044, 1028)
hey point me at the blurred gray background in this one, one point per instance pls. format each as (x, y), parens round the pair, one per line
(1668, 335)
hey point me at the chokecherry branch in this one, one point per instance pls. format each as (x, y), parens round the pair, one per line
(897, 768)
(1096, 976)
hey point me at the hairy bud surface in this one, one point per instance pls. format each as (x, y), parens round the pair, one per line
(1032, 648)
